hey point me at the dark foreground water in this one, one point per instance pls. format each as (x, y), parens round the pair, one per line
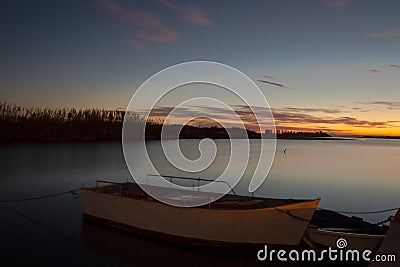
(354, 175)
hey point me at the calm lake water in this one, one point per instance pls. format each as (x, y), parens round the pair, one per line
(351, 175)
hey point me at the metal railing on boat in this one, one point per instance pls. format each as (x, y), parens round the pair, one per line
(108, 182)
(169, 177)
(198, 180)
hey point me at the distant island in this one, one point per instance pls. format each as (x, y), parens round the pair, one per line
(378, 137)
(153, 132)
(19, 124)
(302, 135)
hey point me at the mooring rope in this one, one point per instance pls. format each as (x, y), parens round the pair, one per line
(287, 212)
(73, 192)
(42, 224)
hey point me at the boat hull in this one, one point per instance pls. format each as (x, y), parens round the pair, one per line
(354, 240)
(272, 226)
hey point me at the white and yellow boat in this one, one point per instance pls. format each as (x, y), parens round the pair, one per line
(232, 220)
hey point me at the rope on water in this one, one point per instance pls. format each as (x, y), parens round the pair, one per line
(40, 223)
(73, 192)
(361, 212)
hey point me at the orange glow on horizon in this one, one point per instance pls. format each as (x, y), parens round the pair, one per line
(377, 123)
(345, 129)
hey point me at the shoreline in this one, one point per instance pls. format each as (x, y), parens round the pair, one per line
(120, 140)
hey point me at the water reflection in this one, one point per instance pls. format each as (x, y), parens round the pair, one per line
(348, 175)
(136, 250)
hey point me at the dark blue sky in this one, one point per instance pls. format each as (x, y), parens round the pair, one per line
(339, 54)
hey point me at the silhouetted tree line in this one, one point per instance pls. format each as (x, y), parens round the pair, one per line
(295, 134)
(153, 132)
(45, 124)
(20, 124)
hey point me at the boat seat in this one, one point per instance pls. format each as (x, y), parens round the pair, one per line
(133, 195)
(253, 204)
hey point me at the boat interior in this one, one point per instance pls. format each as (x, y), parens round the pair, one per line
(337, 222)
(228, 201)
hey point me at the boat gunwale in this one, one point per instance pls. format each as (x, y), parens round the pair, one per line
(289, 203)
(317, 230)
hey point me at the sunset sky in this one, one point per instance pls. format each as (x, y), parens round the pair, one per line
(330, 64)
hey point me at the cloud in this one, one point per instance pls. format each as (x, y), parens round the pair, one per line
(312, 110)
(301, 118)
(394, 32)
(146, 26)
(360, 109)
(373, 71)
(394, 66)
(137, 44)
(159, 113)
(336, 4)
(182, 113)
(290, 118)
(272, 83)
(189, 13)
(374, 34)
(391, 105)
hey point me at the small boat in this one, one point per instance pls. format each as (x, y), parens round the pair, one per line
(232, 220)
(327, 227)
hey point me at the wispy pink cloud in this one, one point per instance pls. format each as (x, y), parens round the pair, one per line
(189, 13)
(394, 32)
(374, 34)
(146, 26)
(138, 44)
(337, 4)
(373, 71)
(285, 118)
(391, 105)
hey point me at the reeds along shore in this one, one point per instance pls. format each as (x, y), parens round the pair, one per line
(19, 124)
